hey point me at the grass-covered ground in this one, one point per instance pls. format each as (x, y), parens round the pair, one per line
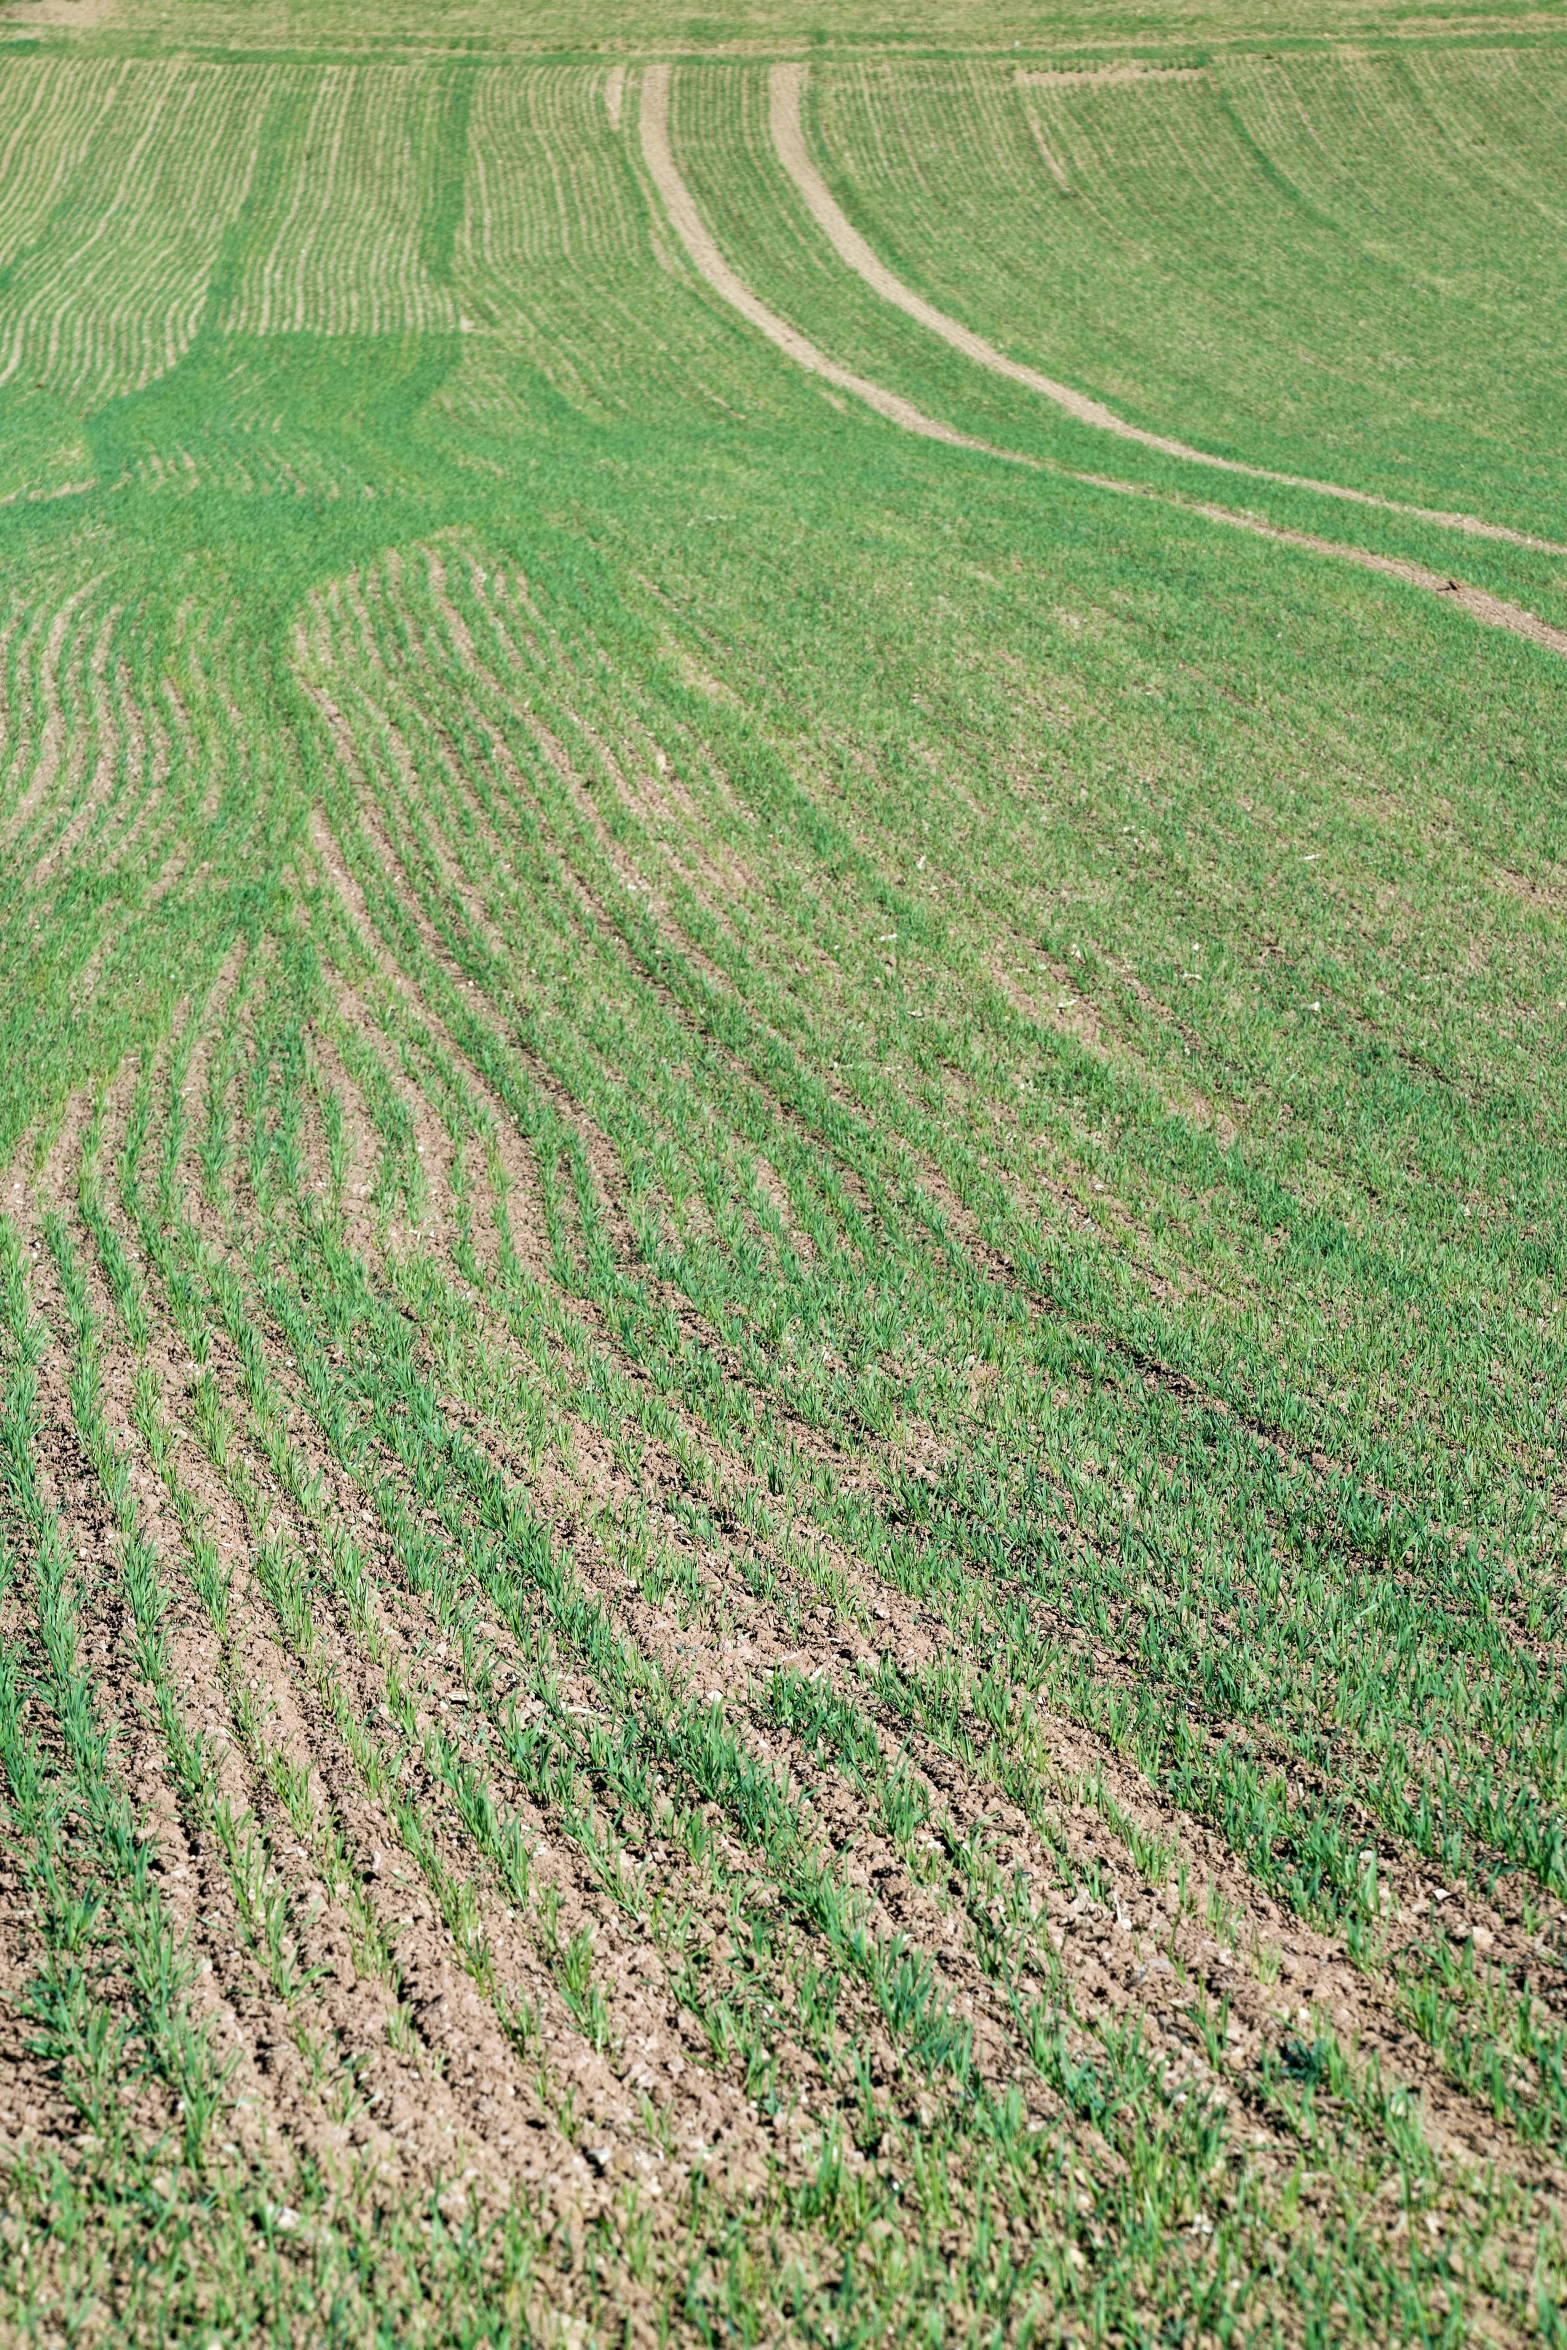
(783, 1168)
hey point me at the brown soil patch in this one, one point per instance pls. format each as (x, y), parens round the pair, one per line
(63, 16)
(1093, 76)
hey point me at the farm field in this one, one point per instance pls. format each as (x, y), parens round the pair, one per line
(783, 1177)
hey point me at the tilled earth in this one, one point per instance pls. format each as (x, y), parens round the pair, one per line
(640, 1887)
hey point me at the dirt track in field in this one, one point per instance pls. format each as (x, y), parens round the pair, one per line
(710, 264)
(786, 91)
(702, 248)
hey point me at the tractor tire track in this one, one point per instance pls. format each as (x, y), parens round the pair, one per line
(706, 258)
(786, 84)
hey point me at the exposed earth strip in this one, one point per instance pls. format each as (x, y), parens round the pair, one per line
(786, 87)
(708, 260)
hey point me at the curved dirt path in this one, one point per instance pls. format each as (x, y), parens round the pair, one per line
(694, 234)
(1492, 611)
(710, 263)
(786, 84)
